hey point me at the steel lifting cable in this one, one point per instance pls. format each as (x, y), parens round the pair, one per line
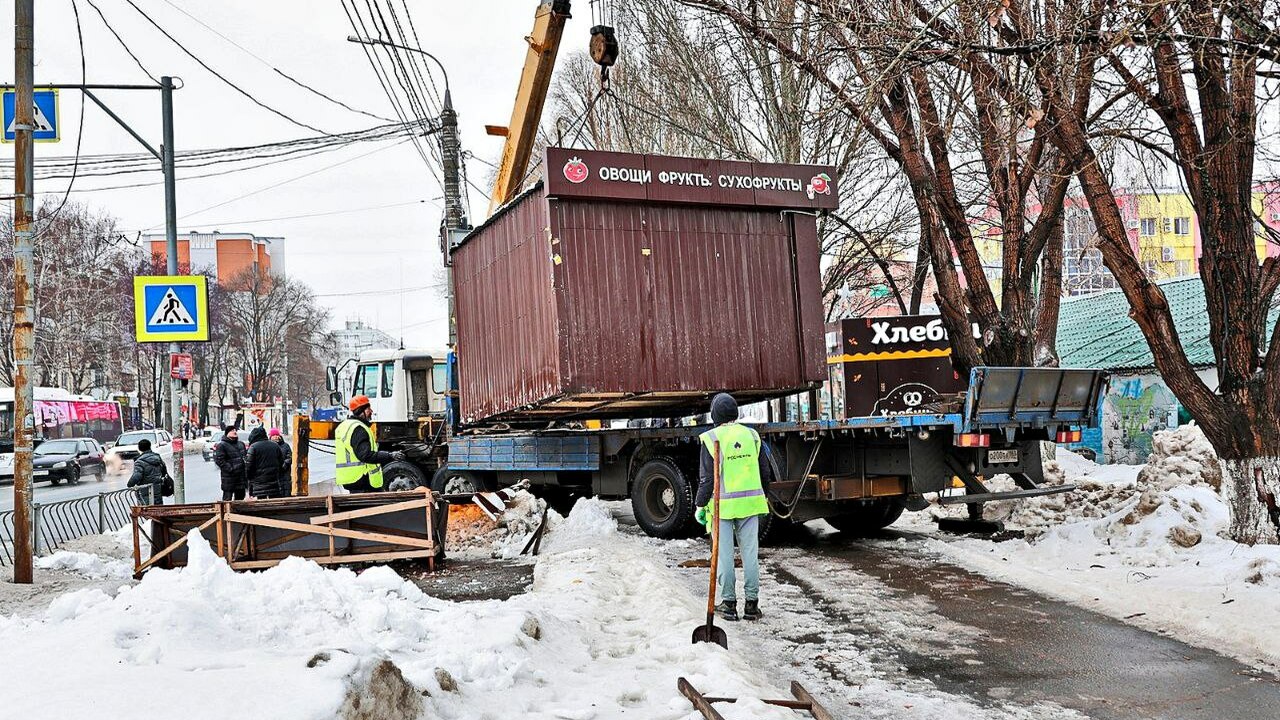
(804, 482)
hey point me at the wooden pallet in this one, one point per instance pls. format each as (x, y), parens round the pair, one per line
(803, 701)
(330, 530)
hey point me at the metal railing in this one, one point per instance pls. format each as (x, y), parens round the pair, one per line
(53, 524)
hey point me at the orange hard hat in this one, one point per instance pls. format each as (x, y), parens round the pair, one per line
(358, 402)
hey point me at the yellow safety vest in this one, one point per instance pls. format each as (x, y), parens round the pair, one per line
(741, 490)
(348, 466)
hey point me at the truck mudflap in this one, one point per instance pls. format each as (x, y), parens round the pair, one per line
(1001, 397)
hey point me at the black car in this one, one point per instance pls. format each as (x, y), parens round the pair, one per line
(68, 459)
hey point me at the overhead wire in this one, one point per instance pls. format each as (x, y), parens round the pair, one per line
(123, 44)
(275, 185)
(405, 79)
(75, 168)
(222, 77)
(379, 71)
(277, 70)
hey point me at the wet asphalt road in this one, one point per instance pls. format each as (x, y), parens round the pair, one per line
(1048, 651)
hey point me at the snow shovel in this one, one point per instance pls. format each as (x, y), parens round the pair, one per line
(709, 632)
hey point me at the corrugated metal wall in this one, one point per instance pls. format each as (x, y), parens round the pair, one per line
(508, 349)
(598, 308)
(683, 299)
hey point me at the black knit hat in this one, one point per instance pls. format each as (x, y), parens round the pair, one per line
(723, 408)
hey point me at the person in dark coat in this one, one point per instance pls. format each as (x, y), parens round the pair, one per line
(148, 475)
(286, 472)
(263, 465)
(229, 456)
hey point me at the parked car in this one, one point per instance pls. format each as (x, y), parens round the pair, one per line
(126, 447)
(210, 443)
(68, 459)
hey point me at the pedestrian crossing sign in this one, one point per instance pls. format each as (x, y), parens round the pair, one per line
(44, 115)
(171, 308)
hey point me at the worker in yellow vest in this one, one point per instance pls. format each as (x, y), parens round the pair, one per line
(744, 471)
(357, 460)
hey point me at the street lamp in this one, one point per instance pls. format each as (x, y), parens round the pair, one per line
(379, 41)
(454, 224)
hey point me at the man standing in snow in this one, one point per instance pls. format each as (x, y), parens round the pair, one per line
(744, 470)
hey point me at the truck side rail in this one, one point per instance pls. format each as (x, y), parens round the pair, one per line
(1034, 397)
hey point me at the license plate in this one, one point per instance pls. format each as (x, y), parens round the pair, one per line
(996, 457)
(39, 473)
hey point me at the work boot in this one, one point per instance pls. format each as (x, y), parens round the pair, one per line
(752, 610)
(728, 610)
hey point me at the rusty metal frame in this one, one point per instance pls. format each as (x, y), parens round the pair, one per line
(364, 521)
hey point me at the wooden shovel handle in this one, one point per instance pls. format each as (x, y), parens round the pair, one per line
(715, 530)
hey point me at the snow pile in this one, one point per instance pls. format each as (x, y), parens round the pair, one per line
(588, 523)
(91, 566)
(1149, 548)
(605, 626)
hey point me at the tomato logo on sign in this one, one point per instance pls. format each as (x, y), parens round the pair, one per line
(575, 171)
(819, 184)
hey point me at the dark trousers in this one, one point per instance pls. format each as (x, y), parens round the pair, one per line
(361, 486)
(233, 494)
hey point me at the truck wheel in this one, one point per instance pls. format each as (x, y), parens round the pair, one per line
(662, 499)
(403, 475)
(868, 517)
(451, 482)
(775, 530)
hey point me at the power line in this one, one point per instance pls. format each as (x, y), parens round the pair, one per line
(202, 176)
(316, 215)
(277, 70)
(75, 168)
(220, 76)
(280, 183)
(123, 44)
(380, 72)
(405, 80)
(398, 291)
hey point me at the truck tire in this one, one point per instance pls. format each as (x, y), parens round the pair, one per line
(403, 475)
(662, 499)
(868, 517)
(449, 482)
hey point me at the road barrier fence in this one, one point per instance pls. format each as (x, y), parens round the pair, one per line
(55, 523)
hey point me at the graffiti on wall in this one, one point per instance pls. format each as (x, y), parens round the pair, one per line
(1134, 410)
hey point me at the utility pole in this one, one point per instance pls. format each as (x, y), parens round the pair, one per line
(171, 268)
(454, 217)
(24, 316)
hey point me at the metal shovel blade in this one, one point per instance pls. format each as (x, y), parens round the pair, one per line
(710, 634)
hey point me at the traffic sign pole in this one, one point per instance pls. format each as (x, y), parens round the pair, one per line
(171, 267)
(23, 278)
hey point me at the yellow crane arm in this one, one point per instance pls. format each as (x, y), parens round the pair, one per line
(535, 79)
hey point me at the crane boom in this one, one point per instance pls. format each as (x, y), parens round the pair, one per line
(535, 79)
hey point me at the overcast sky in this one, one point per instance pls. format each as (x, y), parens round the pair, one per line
(389, 253)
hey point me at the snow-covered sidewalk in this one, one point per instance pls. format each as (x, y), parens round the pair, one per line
(603, 633)
(1145, 544)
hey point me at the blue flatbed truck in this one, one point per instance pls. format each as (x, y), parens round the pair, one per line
(859, 473)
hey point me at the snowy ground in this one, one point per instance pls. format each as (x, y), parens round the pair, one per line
(1143, 543)
(603, 631)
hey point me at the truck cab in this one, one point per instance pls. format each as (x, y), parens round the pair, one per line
(402, 385)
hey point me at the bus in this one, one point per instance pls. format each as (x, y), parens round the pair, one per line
(59, 414)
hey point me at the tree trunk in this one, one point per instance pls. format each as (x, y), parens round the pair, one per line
(1251, 487)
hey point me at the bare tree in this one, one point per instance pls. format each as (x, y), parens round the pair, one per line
(265, 317)
(1193, 68)
(83, 267)
(966, 137)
